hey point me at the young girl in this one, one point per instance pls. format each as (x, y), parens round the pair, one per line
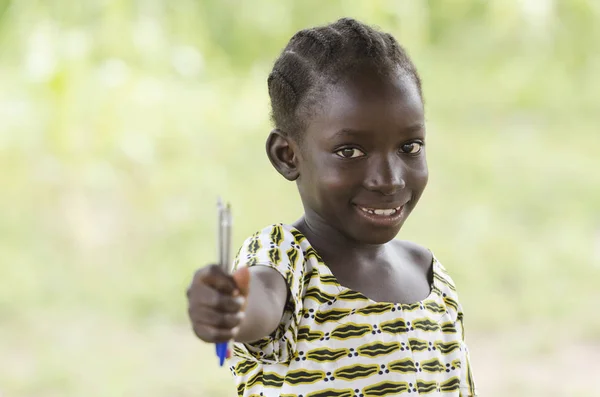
(333, 305)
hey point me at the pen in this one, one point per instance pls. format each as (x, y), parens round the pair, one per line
(224, 248)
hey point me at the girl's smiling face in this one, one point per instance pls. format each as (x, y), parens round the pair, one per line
(361, 164)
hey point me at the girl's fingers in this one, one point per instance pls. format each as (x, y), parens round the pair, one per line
(212, 334)
(205, 296)
(208, 316)
(216, 278)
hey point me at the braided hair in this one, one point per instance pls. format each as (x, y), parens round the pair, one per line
(320, 56)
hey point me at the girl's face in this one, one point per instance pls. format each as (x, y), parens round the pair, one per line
(362, 164)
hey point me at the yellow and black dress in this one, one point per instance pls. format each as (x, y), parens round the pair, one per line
(336, 342)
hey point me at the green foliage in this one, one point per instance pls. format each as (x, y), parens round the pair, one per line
(121, 121)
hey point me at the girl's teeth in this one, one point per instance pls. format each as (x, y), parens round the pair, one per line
(380, 211)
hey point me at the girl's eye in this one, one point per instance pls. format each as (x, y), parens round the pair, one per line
(412, 148)
(349, 153)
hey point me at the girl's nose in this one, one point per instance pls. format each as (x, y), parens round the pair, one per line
(386, 176)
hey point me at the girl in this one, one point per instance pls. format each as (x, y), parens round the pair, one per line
(333, 305)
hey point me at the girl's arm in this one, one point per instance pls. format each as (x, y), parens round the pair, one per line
(266, 294)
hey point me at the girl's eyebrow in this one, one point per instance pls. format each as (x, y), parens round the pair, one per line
(414, 128)
(350, 133)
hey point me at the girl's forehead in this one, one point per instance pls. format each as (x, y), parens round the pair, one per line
(371, 100)
(370, 85)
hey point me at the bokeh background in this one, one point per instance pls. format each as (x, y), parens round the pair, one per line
(121, 122)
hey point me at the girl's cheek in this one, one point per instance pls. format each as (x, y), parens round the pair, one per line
(339, 177)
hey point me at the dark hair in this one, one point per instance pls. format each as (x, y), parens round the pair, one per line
(323, 55)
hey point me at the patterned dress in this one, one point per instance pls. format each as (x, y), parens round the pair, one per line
(335, 342)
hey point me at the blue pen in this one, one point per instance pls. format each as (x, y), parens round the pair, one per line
(224, 247)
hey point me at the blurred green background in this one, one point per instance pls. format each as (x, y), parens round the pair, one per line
(121, 121)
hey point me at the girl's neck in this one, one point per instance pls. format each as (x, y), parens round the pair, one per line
(333, 246)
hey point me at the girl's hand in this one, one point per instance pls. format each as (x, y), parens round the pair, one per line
(216, 303)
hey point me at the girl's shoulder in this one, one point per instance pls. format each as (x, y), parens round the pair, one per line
(275, 238)
(430, 264)
(278, 234)
(416, 253)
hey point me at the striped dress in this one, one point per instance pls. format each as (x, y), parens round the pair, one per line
(335, 342)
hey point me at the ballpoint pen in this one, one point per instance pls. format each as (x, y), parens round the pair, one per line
(224, 248)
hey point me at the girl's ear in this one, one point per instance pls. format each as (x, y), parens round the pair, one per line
(282, 153)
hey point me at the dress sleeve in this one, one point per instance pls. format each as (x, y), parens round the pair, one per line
(467, 384)
(278, 248)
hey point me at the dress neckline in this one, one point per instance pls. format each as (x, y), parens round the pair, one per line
(433, 286)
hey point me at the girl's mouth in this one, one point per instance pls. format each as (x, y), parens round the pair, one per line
(379, 211)
(381, 216)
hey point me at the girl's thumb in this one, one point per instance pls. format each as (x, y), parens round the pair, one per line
(242, 280)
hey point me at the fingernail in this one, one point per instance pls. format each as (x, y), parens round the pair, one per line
(240, 300)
